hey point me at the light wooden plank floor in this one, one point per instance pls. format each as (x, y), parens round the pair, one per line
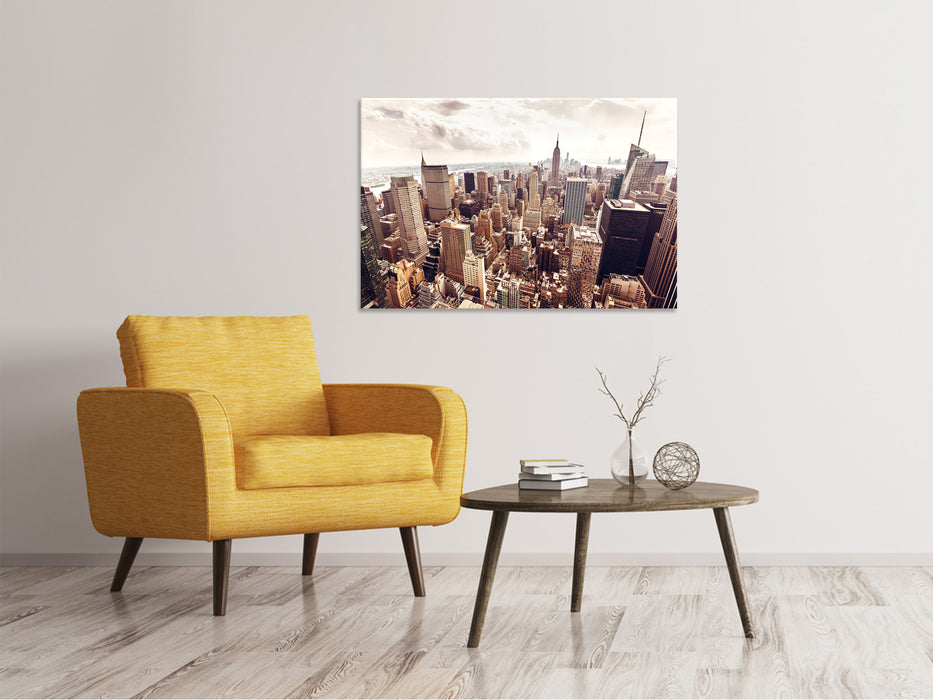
(359, 632)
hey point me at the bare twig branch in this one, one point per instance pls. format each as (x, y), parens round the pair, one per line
(654, 390)
(645, 399)
(605, 390)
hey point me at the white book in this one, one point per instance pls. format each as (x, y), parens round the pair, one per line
(566, 469)
(553, 485)
(551, 477)
(546, 463)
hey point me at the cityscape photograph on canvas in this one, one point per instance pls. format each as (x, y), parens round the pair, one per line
(518, 203)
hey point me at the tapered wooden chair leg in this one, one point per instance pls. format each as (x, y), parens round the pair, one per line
(127, 557)
(413, 556)
(221, 575)
(308, 553)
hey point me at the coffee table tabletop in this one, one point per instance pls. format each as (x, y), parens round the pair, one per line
(603, 496)
(608, 496)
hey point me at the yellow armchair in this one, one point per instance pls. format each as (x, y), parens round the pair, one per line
(225, 431)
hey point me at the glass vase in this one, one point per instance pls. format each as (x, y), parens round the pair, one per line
(629, 461)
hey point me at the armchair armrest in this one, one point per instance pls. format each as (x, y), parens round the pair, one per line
(435, 411)
(151, 458)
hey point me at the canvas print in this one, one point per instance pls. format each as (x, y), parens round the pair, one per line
(518, 203)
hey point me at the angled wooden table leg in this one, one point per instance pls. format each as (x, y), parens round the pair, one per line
(490, 560)
(579, 560)
(724, 525)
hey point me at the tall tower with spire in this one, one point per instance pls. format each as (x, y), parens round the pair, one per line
(555, 164)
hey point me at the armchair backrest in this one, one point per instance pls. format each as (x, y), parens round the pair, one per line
(263, 369)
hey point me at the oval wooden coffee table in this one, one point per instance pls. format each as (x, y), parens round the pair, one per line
(603, 496)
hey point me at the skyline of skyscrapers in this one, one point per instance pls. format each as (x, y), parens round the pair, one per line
(522, 236)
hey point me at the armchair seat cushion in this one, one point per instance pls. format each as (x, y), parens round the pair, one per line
(276, 461)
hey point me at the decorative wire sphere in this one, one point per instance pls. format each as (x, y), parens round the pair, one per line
(676, 465)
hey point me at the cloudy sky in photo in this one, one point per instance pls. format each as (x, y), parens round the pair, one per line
(465, 130)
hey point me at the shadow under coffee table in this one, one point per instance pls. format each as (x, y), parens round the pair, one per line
(603, 496)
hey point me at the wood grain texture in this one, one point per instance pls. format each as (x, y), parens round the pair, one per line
(581, 540)
(500, 519)
(608, 496)
(413, 559)
(358, 632)
(724, 525)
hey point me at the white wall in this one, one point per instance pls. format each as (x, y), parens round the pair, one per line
(202, 158)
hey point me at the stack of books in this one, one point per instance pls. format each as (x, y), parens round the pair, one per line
(551, 475)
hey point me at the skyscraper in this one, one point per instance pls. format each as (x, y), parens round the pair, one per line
(484, 248)
(407, 201)
(482, 186)
(388, 206)
(532, 219)
(661, 271)
(585, 252)
(670, 301)
(574, 200)
(397, 287)
(369, 215)
(515, 293)
(469, 182)
(621, 225)
(436, 182)
(644, 171)
(484, 224)
(534, 199)
(372, 286)
(502, 296)
(455, 242)
(504, 201)
(615, 186)
(656, 212)
(599, 195)
(635, 151)
(554, 178)
(474, 273)
(496, 217)
(432, 262)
